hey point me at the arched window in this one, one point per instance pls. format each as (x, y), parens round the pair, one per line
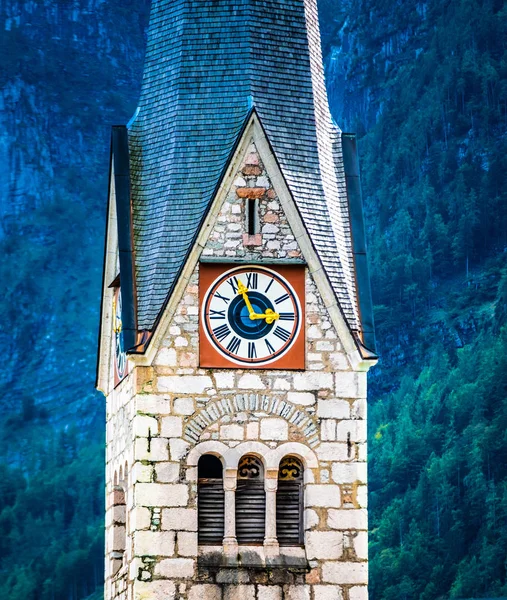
(250, 501)
(210, 500)
(289, 502)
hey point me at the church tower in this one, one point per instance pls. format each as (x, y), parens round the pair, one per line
(236, 328)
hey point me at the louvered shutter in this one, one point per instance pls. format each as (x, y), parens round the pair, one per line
(289, 503)
(210, 511)
(250, 512)
(250, 502)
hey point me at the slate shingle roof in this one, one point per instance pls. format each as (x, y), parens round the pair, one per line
(207, 64)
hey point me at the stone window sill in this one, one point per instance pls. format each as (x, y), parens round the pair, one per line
(255, 557)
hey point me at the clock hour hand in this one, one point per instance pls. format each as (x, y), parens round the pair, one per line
(269, 315)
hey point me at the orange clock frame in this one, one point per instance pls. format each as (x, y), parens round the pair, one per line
(294, 359)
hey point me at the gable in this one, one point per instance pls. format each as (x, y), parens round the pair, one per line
(254, 174)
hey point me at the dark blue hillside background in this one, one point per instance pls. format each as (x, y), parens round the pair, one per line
(425, 86)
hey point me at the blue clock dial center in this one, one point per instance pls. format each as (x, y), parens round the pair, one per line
(239, 317)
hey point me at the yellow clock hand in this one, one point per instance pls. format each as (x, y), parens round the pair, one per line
(269, 315)
(243, 290)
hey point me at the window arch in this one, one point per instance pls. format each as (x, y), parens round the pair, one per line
(210, 500)
(250, 501)
(289, 502)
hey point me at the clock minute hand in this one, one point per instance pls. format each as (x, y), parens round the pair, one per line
(243, 290)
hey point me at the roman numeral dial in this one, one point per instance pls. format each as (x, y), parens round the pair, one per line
(251, 315)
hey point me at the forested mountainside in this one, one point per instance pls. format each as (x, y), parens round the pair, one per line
(425, 86)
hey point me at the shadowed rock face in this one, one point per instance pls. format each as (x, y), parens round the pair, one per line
(68, 71)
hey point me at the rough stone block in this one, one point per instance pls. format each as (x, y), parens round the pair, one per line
(140, 518)
(349, 472)
(359, 409)
(184, 406)
(152, 404)
(323, 495)
(232, 432)
(361, 545)
(179, 519)
(171, 427)
(324, 545)
(155, 450)
(142, 473)
(333, 409)
(362, 378)
(184, 384)
(175, 568)
(297, 592)
(167, 472)
(281, 384)
(269, 592)
(250, 381)
(154, 590)
(178, 448)
(116, 538)
(274, 429)
(153, 543)
(332, 451)
(327, 592)
(252, 431)
(302, 398)
(187, 543)
(166, 357)
(313, 381)
(362, 496)
(356, 429)
(161, 494)
(311, 518)
(239, 592)
(346, 384)
(358, 592)
(145, 426)
(232, 576)
(205, 592)
(328, 430)
(353, 518)
(224, 380)
(345, 572)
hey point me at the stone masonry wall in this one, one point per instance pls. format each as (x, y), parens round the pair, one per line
(174, 406)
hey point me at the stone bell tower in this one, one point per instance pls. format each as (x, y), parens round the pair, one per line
(236, 329)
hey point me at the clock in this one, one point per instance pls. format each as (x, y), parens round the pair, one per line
(252, 316)
(120, 355)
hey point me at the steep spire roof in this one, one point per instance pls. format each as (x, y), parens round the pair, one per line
(208, 65)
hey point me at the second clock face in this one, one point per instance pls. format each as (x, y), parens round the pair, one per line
(251, 315)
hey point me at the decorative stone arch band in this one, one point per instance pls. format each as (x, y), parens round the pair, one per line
(271, 405)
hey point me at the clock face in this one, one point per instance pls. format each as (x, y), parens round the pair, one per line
(120, 354)
(251, 315)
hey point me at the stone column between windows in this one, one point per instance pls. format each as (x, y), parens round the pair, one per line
(230, 482)
(270, 487)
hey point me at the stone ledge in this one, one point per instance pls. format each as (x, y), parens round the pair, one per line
(253, 557)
